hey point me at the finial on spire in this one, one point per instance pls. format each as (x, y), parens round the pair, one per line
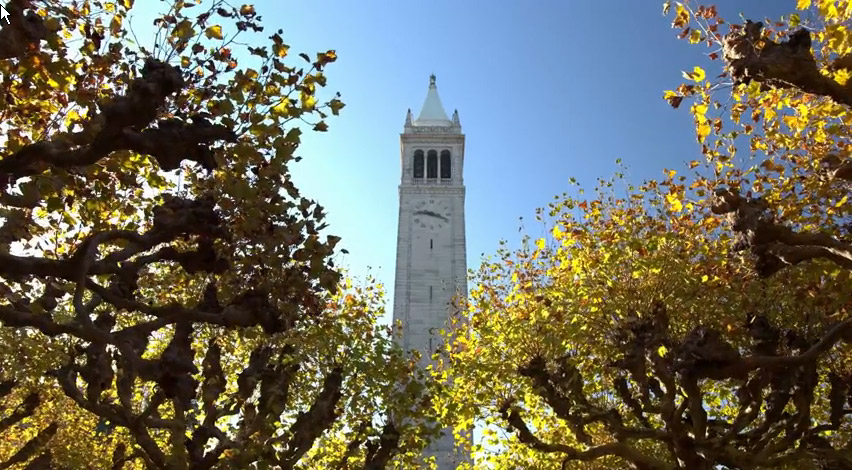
(456, 121)
(408, 118)
(432, 113)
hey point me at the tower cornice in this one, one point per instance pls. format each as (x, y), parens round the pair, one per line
(431, 189)
(432, 138)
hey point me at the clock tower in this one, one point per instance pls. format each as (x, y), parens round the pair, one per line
(431, 268)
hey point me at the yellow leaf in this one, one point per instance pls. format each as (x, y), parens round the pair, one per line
(841, 202)
(695, 36)
(842, 76)
(281, 108)
(705, 278)
(703, 131)
(793, 123)
(681, 16)
(803, 4)
(72, 117)
(115, 24)
(280, 50)
(699, 111)
(183, 30)
(557, 232)
(674, 201)
(697, 74)
(214, 32)
(831, 12)
(540, 243)
(795, 20)
(308, 101)
(662, 350)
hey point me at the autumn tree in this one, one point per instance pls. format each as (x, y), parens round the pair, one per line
(787, 199)
(168, 300)
(697, 321)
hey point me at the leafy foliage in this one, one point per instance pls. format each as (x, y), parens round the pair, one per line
(163, 281)
(633, 336)
(788, 198)
(648, 332)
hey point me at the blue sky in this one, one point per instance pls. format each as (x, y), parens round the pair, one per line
(546, 91)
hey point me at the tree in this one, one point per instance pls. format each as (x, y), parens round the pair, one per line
(164, 283)
(645, 331)
(789, 84)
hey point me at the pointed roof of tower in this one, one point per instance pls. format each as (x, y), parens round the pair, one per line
(433, 113)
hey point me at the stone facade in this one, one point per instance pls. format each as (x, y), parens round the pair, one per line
(431, 268)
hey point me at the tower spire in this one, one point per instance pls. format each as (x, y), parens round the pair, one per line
(432, 113)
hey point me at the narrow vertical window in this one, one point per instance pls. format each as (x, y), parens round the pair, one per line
(432, 164)
(430, 244)
(418, 164)
(430, 294)
(446, 164)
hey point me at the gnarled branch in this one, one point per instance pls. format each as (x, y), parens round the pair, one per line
(774, 244)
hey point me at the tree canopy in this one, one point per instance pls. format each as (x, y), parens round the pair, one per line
(168, 300)
(696, 321)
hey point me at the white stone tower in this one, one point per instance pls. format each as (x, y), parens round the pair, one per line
(431, 268)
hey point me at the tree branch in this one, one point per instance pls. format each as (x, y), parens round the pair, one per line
(20, 33)
(310, 425)
(379, 454)
(775, 245)
(513, 417)
(791, 64)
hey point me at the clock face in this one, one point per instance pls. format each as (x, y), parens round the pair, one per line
(431, 214)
